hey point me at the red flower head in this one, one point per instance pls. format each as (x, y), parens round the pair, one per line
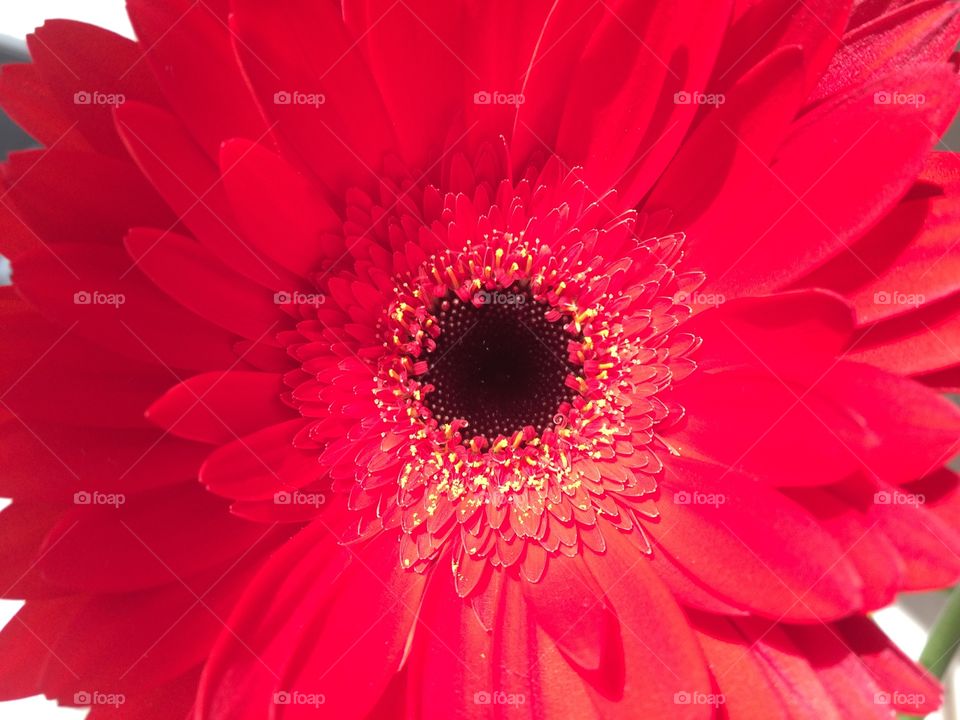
(542, 359)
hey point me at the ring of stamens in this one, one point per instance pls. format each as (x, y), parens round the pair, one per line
(496, 457)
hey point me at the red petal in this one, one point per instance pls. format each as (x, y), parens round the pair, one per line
(170, 700)
(789, 672)
(286, 219)
(504, 37)
(572, 610)
(190, 183)
(33, 106)
(917, 343)
(560, 46)
(338, 127)
(661, 656)
(73, 58)
(132, 642)
(451, 659)
(72, 459)
(399, 41)
(743, 682)
(189, 48)
(192, 276)
(902, 680)
(220, 407)
(929, 547)
(751, 123)
(261, 464)
(53, 374)
(848, 683)
(874, 556)
(23, 528)
(242, 675)
(621, 118)
(688, 591)
(26, 645)
(757, 395)
(145, 325)
(132, 544)
(907, 260)
(97, 197)
(792, 570)
(924, 31)
(529, 670)
(795, 334)
(760, 27)
(916, 428)
(817, 198)
(350, 669)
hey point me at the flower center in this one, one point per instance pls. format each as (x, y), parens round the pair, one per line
(526, 341)
(499, 364)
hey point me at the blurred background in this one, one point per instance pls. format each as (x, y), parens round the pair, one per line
(907, 623)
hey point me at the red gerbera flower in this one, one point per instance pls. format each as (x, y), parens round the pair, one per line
(538, 359)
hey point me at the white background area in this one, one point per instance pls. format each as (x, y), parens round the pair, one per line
(17, 18)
